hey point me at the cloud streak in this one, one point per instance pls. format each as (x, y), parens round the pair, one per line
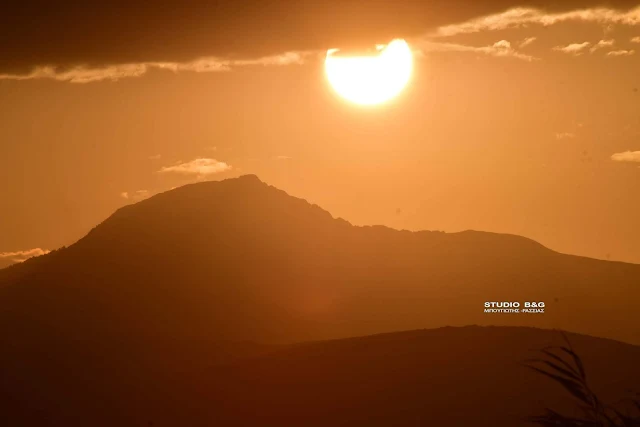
(573, 48)
(84, 74)
(621, 52)
(526, 42)
(198, 167)
(135, 196)
(627, 156)
(520, 17)
(500, 48)
(602, 44)
(21, 256)
(565, 135)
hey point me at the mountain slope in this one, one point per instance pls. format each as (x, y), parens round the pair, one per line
(444, 377)
(240, 260)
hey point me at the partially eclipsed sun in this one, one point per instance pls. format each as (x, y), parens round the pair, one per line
(370, 80)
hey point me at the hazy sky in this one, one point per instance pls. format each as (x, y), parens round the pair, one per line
(518, 120)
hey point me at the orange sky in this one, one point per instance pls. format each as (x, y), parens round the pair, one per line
(537, 139)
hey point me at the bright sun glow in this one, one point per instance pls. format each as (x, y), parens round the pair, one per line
(370, 80)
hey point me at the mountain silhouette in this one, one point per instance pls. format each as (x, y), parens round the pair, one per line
(241, 260)
(168, 305)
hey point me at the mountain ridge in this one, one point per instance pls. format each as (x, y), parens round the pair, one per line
(253, 179)
(241, 259)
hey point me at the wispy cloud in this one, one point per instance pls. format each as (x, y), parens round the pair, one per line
(198, 167)
(87, 74)
(526, 42)
(635, 40)
(135, 196)
(621, 52)
(573, 48)
(155, 157)
(627, 156)
(282, 157)
(500, 48)
(20, 256)
(565, 135)
(287, 58)
(602, 44)
(521, 17)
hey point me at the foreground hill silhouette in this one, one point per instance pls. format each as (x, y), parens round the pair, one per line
(468, 376)
(241, 260)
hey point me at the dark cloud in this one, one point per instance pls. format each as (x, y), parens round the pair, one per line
(69, 33)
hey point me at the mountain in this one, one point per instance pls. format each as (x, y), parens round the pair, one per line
(241, 260)
(468, 376)
(174, 302)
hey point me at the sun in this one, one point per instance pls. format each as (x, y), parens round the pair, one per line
(371, 79)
